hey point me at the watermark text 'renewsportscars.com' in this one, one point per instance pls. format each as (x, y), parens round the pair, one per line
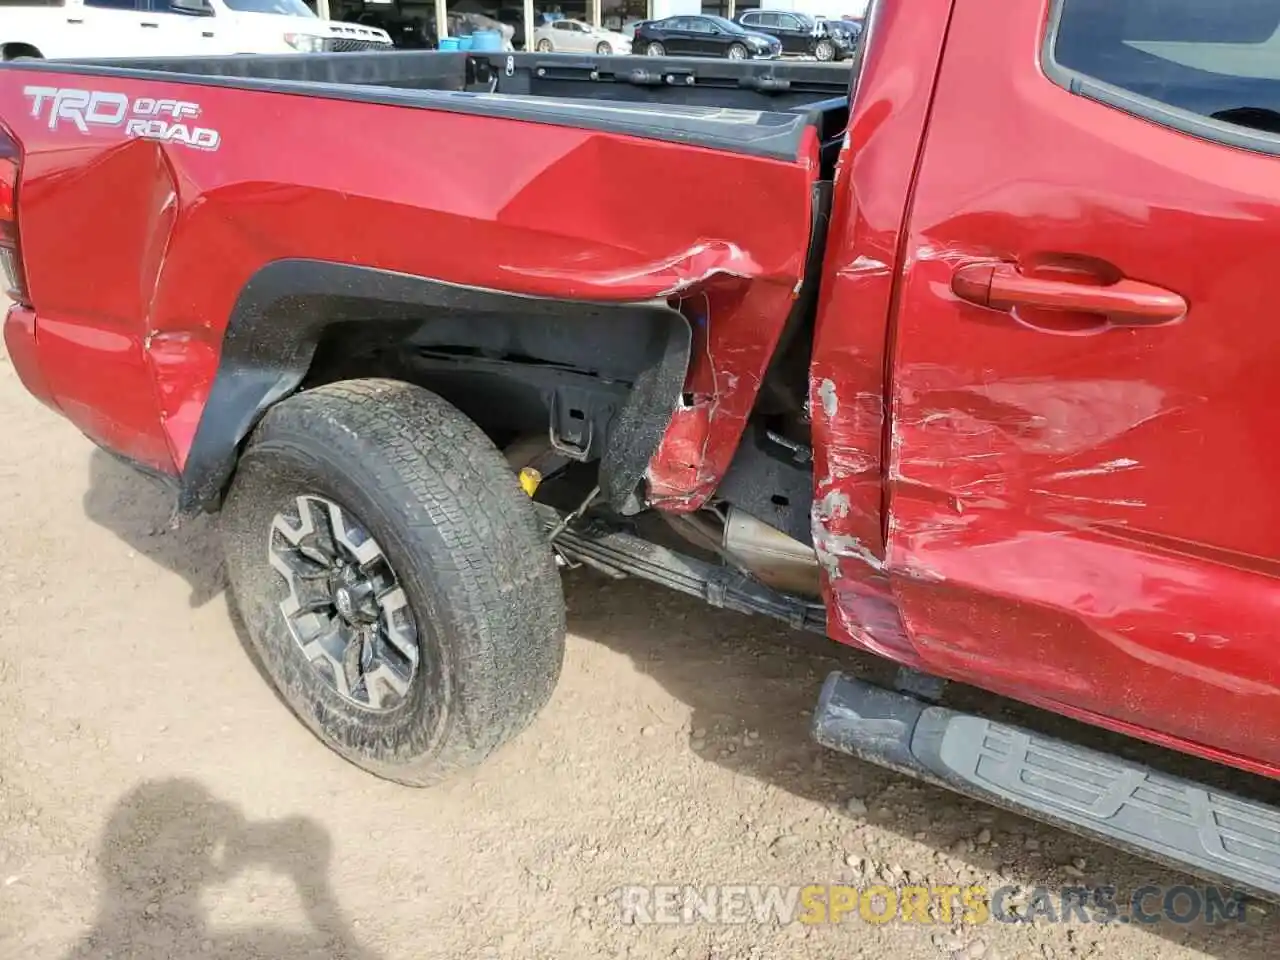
(879, 904)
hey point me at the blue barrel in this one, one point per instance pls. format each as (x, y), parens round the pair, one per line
(449, 43)
(486, 40)
(464, 43)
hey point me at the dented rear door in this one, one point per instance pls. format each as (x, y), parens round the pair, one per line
(1082, 471)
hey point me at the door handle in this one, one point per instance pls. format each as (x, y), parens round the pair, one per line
(207, 33)
(1002, 286)
(75, 20)
(147, 23)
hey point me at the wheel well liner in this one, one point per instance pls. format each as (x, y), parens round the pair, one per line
(285, 308)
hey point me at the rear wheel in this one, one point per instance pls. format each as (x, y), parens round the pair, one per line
(655, 49)
(825, 50)
(603, 49)
(393, 578)
(544, 46)
(737, 52)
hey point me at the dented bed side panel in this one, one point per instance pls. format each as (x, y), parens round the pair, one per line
(737, 317)
(167, 233)
(849, 375)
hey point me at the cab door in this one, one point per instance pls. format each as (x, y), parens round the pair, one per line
(794, 35)
(112, 28)
(676, 37)
(188, 28)
(1085, 456)
(705, 39)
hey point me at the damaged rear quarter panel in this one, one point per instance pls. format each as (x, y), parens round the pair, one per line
(427, 193)
(737, 311)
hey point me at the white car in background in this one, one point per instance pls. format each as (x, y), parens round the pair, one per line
(173, 28)
(574, 36)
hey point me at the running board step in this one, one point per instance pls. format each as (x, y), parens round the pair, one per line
(1163, 818)
(620, 554)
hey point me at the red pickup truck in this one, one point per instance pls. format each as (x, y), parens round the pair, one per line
(962, 359)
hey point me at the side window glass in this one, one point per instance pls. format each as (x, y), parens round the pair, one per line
(1212, 69)
(116, 4)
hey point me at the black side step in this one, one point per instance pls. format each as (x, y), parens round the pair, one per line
(1163, 818)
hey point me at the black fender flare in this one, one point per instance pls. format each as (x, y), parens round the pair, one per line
(283, 310)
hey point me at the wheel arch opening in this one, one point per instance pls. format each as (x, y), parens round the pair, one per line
(603, 377)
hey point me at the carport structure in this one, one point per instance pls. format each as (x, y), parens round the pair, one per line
(595, 12)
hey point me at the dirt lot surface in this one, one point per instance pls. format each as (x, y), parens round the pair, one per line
(157, 800)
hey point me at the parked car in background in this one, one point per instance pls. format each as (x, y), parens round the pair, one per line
(849, 30)
(704, 37)
(406, 32)
(574, 36)
(799, 33)
(176, 28)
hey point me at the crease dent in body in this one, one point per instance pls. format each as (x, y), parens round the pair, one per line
(1102, 501)
(828, 397)
(864, 266)
(832, 546)
(927, 253)
(1101, 470)
(667, 276)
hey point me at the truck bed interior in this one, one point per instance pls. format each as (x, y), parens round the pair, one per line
(758, 107)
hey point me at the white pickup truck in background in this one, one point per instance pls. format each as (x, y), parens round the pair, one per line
(173, 28)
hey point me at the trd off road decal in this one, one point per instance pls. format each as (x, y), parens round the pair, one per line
(146, 117)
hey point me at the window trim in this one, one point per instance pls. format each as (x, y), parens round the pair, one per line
(1166, 115)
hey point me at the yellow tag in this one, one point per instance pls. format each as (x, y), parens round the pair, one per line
(529, 480)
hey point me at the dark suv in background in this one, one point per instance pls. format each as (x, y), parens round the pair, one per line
(799, 33)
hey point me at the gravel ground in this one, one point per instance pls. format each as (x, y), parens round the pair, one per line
(157, 800)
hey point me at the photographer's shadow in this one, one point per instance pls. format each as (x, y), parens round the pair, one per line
(167, 841)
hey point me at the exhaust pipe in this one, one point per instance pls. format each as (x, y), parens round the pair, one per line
(772, 557)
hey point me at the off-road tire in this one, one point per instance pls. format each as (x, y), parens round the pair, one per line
(464, 542)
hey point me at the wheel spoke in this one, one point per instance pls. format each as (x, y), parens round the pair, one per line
(346, 609)
(360, 545)
(397, 624)
(382, 680)
(329, 648)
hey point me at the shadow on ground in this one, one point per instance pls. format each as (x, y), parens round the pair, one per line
(751, 685)
(138, 510)
(167, 841)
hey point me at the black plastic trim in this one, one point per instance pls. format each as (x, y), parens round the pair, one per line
(1164, 818)
(283, 310)
(1118, 98)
